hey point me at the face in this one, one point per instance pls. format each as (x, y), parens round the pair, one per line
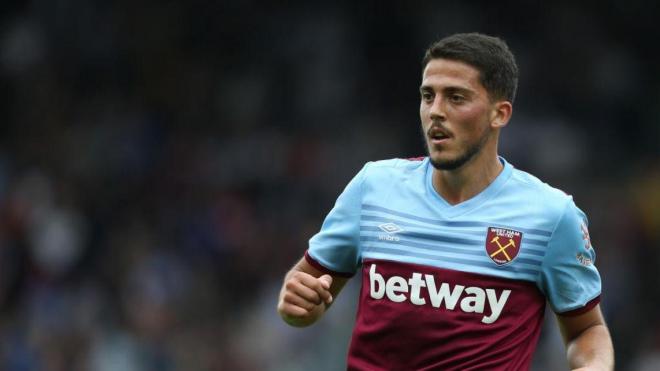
(456, 113)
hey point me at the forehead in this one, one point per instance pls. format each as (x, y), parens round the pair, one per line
(445, 72)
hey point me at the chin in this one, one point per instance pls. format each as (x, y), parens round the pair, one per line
(443, 163)
(446, 165)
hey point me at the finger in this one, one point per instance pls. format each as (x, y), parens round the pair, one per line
(329, 299)
(293, 311)
(317, 284)
(296, 300)
(305, 292)
(326, 281)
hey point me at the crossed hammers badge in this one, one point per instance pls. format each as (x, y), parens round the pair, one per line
(502, 244)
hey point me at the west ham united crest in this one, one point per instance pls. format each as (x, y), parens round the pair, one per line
(502, 244)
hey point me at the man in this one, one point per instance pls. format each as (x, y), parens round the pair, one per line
(459, 250)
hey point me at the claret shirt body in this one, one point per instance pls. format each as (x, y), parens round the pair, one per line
(454, 287)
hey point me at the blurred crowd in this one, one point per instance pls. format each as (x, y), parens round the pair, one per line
(162, 165)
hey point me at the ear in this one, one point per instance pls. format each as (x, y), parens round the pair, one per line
(501, 114)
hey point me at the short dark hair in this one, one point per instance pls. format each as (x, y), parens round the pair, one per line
(498, 72)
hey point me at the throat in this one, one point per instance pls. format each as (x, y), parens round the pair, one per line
(459, 185)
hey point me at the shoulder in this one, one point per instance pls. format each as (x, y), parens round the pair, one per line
(540, 196)
(396, 165)
(394, 169)
(528, 181)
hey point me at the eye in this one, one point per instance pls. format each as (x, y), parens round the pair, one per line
(456, 98)
(427, 96)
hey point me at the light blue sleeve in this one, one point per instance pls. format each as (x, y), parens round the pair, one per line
(336, 247)
(568, 277)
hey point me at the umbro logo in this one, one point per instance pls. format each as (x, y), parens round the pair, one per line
(390, 228)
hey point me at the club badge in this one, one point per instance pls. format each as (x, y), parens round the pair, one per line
(502, 244)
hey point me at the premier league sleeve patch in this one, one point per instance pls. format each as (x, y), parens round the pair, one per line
(502, 245)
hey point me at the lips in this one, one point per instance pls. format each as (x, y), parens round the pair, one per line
(438, 135)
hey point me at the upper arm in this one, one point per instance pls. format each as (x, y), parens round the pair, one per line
(568, 276)
(571, 326)
(572, 284)
(338, 282)
(336, 247)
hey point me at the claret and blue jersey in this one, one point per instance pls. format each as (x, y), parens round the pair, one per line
(454, 286)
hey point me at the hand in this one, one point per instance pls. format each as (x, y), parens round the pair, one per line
(304, 298)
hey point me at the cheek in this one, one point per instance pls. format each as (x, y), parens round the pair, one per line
(471, 120)
(469, 113)
(424, 115)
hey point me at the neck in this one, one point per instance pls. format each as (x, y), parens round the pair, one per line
(461, 184)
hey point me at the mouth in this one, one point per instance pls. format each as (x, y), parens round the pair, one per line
(438, 135)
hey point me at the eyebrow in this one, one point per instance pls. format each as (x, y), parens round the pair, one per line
(448, 89)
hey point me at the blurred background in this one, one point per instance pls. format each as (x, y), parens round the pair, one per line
(163, 164)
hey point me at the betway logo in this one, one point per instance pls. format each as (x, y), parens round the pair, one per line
(474, 300)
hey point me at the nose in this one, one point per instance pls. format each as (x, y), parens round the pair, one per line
(436, 110)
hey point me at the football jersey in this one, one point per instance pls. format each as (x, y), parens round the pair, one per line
(454, 287)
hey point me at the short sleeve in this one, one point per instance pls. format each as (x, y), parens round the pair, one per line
(335, 248)
(568, 275)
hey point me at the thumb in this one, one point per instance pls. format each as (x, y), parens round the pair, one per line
(326, 281)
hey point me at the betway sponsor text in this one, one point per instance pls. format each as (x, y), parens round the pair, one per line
(472, 299)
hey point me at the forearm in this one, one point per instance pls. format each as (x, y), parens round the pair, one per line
(591, 350)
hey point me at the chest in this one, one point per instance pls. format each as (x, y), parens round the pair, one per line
(493, 240)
